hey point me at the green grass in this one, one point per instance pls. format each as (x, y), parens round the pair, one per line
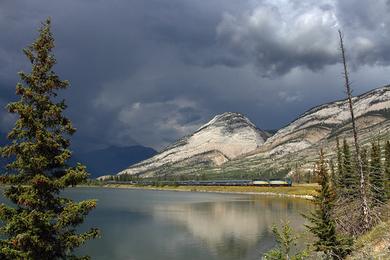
(297, 189)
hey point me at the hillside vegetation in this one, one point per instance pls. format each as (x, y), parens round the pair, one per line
(375, 244)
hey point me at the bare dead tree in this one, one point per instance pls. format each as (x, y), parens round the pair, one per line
(365, 209)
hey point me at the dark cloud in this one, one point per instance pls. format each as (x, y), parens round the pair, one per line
(152, 71)
(367, 28)
(278, 36)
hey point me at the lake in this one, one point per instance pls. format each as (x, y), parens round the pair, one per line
(147, 224)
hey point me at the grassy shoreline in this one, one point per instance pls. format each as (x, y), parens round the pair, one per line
(306, 191)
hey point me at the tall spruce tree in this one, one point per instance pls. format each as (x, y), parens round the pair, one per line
(323, 225)
(377, 180)
(348, 181)
(387, 169)
(365, 164)
(333, 176)
(339, 163)
(42, 223)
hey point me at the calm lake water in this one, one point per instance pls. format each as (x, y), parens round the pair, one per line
(145, 224)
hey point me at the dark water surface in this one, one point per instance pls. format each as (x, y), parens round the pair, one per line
(148, 225)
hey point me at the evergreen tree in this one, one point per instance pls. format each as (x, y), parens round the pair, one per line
(339, 157)
(377, 182)
(41, 224)
(348, 181)
(387, 169)
(323, 225)
(365, 164)
(339, 163)
(333, 177)
(286, 241)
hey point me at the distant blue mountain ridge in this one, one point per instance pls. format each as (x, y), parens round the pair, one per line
(112, 159)
(103, 161)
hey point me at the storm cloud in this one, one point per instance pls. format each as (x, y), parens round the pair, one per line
(149, 72)
(278, 36)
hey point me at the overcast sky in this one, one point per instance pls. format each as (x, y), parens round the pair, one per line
(150, 71)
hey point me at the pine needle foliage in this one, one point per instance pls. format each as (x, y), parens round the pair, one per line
(377, 178)
(339, 159)
(365, 165)
(41, 224)
(323, 226)
(387, 169)
(348, 179)
(340, 162)
(286, 241)
(333, 176)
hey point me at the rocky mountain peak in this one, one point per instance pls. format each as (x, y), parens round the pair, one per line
(230, 122)
(223, 138)
(231, 137)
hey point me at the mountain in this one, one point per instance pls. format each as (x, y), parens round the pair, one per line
(297, 144)
(104, 161)
(328, 120)
(230, 146)
(112, 159)
(224, 138)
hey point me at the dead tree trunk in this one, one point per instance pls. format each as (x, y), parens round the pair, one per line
(363, 182)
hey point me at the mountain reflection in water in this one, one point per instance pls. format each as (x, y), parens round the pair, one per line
(231, 229)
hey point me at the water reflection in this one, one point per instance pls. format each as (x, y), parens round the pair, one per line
(234, 229)
(146, 225)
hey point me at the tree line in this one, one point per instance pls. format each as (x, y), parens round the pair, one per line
(351, 198)
(376, 168)
(336, 220)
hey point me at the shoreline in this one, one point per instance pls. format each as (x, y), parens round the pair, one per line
(297, 191)
(214, 189)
